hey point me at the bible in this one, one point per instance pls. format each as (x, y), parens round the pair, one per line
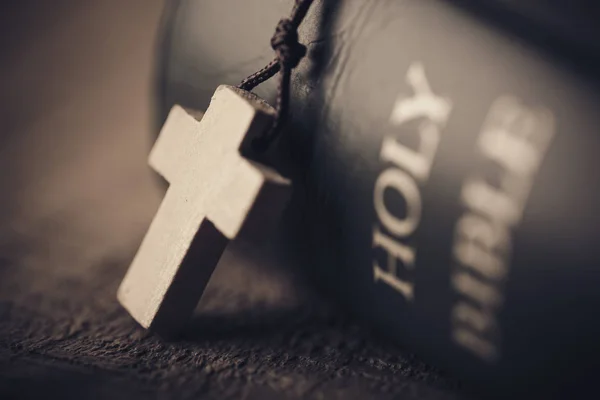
(446, 155)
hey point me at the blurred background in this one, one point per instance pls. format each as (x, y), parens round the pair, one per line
(75, 126)
(76, 116)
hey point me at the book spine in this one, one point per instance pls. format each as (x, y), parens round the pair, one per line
(446, 171)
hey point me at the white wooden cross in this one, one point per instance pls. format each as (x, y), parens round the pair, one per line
(212, 195)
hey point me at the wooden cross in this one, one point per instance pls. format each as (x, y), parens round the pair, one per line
(212, 195)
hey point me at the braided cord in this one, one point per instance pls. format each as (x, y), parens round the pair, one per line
(288, 52)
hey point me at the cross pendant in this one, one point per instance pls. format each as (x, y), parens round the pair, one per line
(214, 193)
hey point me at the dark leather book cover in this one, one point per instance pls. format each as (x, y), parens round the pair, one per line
(446, 172)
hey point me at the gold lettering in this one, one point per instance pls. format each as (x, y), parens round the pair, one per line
(477, 290)
(403, 287)
(424, 104)
(516, 136)
(475, 318)
(398, 180)
(477, 345)
(395, 250)
(418, 162)
(486, 233)
(479, 196)
(472, 256)
(514, 153)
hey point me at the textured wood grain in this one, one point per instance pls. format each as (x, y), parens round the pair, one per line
(213, 190)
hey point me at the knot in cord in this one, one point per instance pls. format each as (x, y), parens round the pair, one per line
(289, 53)
(285, 43)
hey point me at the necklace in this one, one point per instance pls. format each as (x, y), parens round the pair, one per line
(215, 192)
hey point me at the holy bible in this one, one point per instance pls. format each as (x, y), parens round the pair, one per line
(445, 164)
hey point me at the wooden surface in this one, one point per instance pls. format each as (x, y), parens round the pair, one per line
(76, 196)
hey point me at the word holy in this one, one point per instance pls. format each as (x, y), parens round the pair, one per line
(407, 168)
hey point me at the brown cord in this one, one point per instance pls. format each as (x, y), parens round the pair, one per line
(289, 53)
